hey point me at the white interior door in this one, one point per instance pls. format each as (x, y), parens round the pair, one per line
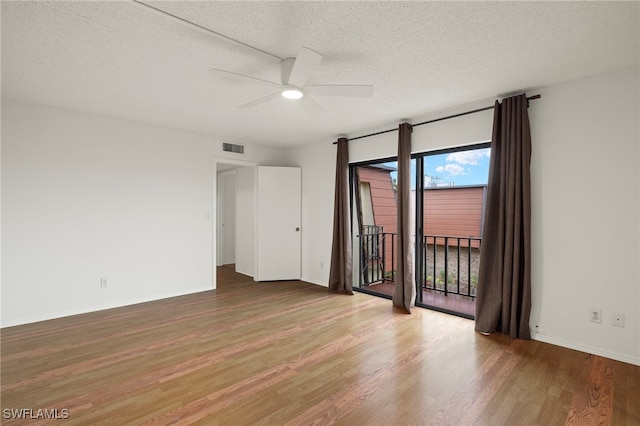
(278, 202)
(245, 221)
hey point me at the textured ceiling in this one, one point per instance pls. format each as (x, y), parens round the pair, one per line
(121, 59)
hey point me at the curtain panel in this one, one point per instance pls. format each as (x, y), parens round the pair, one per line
(404, 292)
(503, 300)
(340, 272)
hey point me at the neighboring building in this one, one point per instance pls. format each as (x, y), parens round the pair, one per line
(449, 211)
(454, 211)
(376, 198)
(377, 219)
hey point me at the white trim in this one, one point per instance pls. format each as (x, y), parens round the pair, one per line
(239, 163)
(89, 309)
(314, 282)
(588, 349)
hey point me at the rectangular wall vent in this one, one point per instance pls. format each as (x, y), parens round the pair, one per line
(232, 147)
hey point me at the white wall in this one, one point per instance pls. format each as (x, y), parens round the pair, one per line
(245, 221)
(86, 196)
(586, 196)
(460, 131)
(263, 155)
(317, 162)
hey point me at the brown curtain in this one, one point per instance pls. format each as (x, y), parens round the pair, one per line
(404, 292)
(504, 279)
(340, 273)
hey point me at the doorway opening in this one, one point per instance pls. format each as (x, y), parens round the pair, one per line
(232, 223)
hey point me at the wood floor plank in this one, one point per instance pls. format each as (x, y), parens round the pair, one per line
(593, 400)
(283, 353)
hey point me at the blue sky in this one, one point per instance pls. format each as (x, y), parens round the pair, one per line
(461, 168)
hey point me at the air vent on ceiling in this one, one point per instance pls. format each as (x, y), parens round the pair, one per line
(232, 147)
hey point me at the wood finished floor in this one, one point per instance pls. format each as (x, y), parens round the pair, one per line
(435, 299)
(289, 353)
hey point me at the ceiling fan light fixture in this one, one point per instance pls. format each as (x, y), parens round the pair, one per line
(292, 93)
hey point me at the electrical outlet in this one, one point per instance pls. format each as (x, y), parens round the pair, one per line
(103, 283)
(596, 315)
(618, 320)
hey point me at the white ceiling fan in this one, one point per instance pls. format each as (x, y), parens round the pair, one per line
(294, 73)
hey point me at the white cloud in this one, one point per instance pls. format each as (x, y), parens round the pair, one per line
(472, 158)
(451, 169)
(454, 169)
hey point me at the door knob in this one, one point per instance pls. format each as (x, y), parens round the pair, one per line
(297, 229)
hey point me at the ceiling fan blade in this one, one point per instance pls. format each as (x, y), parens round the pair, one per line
(311, 106)
(259, 101)
(244, 77)
(354, 90)
(306, 62)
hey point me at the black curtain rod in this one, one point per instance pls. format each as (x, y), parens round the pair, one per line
(434, 120)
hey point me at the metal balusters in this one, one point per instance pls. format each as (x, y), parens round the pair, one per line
(443, 273)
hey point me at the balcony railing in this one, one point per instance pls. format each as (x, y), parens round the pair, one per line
(377, 252)
(449, 263)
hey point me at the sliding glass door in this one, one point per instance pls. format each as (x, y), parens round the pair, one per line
(375, 225)
(449, 195)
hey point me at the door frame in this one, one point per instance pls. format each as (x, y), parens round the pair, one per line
(214, 208)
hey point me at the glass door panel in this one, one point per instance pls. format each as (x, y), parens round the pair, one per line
(375, 225)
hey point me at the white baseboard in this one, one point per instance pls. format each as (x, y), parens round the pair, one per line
(84, 310)
(316, 282)
(588, 349)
